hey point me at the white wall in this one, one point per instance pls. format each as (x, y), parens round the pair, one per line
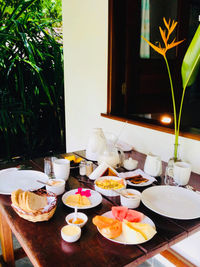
(85, 54)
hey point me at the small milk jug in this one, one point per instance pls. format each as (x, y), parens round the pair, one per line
(153, 165)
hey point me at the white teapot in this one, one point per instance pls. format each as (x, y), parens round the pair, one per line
(153, 165)
(96, 144)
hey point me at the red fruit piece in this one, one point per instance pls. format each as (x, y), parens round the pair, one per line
(119, 212)
(134, 216)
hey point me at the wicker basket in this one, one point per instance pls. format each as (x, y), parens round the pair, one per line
(39, 216)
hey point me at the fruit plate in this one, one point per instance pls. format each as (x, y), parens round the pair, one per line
(95, 198)
(121, 239)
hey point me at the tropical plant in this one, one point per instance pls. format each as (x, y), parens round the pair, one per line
(189, 68)
(31, 74)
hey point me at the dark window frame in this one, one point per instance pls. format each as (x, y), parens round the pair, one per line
(113, 96)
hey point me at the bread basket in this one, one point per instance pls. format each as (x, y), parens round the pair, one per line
(40, 215)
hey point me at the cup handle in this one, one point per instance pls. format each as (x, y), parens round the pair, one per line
(169, 174)
(158, 167)
(121, 156)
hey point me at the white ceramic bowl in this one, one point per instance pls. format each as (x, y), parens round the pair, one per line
(70, 233)
(57, 186)
(129, 201)
(80, 215)
(130, 164)
(109, 192)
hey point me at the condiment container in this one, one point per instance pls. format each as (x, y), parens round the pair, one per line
(57, 186)
(81, 217)
(130, 198)
(89, 167)
(70, 233)
(130, 164)
(82, 168)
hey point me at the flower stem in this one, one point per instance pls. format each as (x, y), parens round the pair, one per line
(180, 110)
(174, 108)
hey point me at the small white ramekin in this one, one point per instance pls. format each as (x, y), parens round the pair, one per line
(130, 203)
(70, 233)
(80, 215)
(57, 189)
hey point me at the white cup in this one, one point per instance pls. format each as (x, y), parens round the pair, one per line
(61, 168)
(181, 172)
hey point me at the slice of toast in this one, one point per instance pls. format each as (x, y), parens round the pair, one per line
(15, 197)
(35, 202)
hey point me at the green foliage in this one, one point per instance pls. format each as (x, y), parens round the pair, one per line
(191, 61)
(31, 75)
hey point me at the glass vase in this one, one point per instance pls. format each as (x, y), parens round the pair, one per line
(169, 180)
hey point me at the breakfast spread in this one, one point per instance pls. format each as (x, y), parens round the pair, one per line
(110, 184)
(125, 223)
(137, 179)
(28, 201)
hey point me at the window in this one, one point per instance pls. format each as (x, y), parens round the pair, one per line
(138, 83)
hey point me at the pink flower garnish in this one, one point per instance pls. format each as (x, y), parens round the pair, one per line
(83, 193)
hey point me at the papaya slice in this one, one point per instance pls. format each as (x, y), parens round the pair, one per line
(102, 221)
(112, 231)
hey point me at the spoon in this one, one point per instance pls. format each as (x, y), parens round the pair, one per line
(75, 215)
(43, 183)
(123, 194)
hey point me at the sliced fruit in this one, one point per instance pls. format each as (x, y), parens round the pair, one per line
(131, 235)
(112, 231)
(119, 212)
(134, 216)
(137, 232)
(102, 221)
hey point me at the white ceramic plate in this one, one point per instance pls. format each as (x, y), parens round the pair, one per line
(13, 179)
(150, 178)
(121, 239)
(95, 198)
(108, 192)
(173, 202)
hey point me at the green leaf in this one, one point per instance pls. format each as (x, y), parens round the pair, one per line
(191, 61)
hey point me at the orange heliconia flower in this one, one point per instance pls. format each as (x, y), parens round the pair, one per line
(165, 37)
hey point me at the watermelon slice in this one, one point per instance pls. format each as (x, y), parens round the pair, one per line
(119, 212)
(134, 216)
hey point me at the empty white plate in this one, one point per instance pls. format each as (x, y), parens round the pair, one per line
(13, 179)
(173, 202)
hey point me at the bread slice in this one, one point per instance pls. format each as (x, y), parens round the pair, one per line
(137, 232)
(35, 202)
(15, 197)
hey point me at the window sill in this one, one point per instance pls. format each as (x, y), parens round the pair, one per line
(151, 126)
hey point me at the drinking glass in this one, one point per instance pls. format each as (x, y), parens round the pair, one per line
(48, 166)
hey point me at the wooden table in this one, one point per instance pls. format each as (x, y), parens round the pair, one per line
(44, 246)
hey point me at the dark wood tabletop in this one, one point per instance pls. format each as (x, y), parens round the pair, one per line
(44, 246)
